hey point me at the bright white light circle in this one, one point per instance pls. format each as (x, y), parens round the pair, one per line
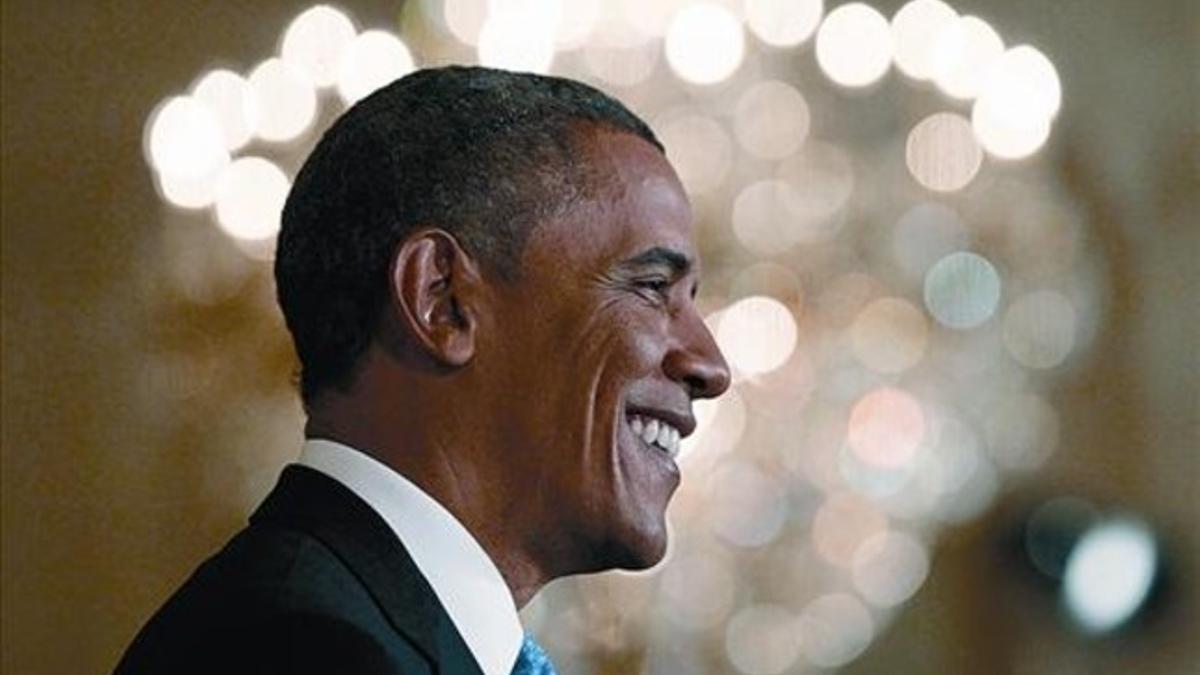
(762, 640)
(191, 192)
(1109, 574)
(962, 290)
(229, 97)
(962, 54)
(783, 23)
(186, 140)
(942, 153)
(757, 335)
(519, 35)
(914, 28)
(854, 45)
(1020, 95)
(315, 41)
(771, 119)
(576, 21)
(464, 18)
(1039, 329)
(834, 629)
(889, 567)
(285, 98)
(704, 43)
(250, 197)
(373, 59)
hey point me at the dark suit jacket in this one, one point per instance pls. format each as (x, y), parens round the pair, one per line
(317, 583)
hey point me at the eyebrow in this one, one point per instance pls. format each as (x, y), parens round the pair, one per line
(679, 263)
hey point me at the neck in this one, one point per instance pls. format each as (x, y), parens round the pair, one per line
(446, 470)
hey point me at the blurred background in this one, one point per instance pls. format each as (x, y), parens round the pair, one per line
(950, 253)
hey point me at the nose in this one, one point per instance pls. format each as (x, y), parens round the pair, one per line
(696, 360)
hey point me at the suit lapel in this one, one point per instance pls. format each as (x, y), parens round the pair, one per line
(309, 501)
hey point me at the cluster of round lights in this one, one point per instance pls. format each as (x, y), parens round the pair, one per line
(192, 140)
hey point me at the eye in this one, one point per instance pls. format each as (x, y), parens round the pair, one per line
(657, 285)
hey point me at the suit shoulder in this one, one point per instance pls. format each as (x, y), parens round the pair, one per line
(273, 594)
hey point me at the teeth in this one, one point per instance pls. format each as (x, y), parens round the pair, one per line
(664, 436)
(650, 433)
(657, 433)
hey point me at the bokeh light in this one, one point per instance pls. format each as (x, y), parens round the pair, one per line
(1039, 329)
(464, 18)
(315, 41)
(890, 335)
(834, 629)
(250, 196)
(698, 589)
(762, 640)
(189, 192)
(748, 507)
(760, 217)
(821, 179)
(285, 99)
(1109, 574)
(519, 35)
(704, 43)
(700, 150)
(1022, 431)
(576, 21)
(854, 45)
(914, 29)
(962, 54)
(842, 523)
(926, 233)
(1053, 530)
(886, 427)
(942, 153)
(1019, 97)
(374, 58)
(623, 66)
(962, 290)
(771, 119)
(783, 23)
(185, 140)
(650, 20)
(229, 97)
(757, 335)
(889, 567)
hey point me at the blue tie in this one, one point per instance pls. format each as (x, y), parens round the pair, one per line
(531, 660)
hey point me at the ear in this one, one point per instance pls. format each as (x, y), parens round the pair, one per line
(435, 290)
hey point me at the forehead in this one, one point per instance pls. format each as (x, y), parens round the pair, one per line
(634, 202)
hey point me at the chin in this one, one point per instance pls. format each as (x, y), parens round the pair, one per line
(641, 550)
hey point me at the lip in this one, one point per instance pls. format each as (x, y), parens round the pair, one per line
(683, 421)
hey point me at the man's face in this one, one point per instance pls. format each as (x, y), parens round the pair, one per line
(600, 336)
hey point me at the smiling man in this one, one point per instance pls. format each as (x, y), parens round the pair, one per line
(489, 278)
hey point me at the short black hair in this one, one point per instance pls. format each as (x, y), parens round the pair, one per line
(484, 154)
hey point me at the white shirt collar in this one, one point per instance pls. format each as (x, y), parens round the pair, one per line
(462, 575)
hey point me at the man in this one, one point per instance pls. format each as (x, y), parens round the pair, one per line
(489, 278)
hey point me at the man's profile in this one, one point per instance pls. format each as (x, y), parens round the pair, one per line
(489, 279)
